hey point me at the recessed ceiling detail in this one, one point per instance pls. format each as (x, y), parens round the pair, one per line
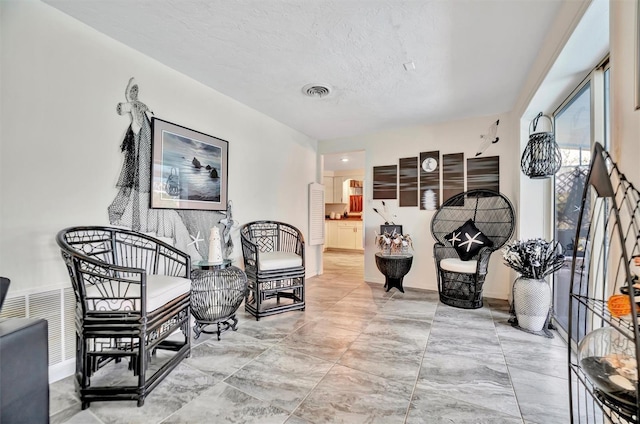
(316, 90)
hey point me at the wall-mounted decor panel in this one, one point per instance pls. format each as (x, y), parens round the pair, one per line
(452, 175)
(483, 173)
(385, 182)
(408, 181)
(429, 168)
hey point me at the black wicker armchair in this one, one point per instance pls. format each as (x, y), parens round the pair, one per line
(132, 292)
(461, 254)
(274, 263)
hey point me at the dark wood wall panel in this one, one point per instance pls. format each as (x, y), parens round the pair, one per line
(408, 187)
(483, 173)
(452, 175)
(429, 176)
(385, 182)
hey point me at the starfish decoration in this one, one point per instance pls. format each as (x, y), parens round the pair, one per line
(196, 240)
(454, 238)
(470, 241)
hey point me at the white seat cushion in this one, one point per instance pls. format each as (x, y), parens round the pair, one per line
(161, 289)
(278, 260)
(457, 265)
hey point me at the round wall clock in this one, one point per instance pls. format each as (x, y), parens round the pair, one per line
(429, 164)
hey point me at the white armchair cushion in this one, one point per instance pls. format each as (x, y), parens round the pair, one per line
(460, 266)
(161, 289)
(278, 260)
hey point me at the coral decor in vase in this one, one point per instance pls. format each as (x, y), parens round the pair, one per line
(534, 259)
(393, 243)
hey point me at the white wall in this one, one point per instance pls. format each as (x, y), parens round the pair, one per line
(625, 125)
(542, 92)
(386, 148)
(60, 138)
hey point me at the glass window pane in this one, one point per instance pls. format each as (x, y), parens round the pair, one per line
(573, 129)
(573, 135)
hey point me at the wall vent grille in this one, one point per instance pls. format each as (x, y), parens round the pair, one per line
(15, 307)
(58, 308)
(69, 339)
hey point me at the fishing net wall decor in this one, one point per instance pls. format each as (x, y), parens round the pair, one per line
(131, 206)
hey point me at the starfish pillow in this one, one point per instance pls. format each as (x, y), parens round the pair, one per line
(468, 240)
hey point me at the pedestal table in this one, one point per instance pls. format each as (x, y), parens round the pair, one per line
(394, 267)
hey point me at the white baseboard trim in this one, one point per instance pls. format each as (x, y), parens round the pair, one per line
(62, 370)
(495, 295)
(377, 279)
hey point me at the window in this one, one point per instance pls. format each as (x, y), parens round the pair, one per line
(582, 119)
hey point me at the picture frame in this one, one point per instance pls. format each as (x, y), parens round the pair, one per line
(189, 169)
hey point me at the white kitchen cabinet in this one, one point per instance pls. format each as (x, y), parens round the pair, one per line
(338, 190)
(344, 234)
(328, 189)
(359, 236)
(334, 189)
(331, 232)
(346, 237)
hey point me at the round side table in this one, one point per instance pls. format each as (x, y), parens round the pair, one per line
(217, 290)
(394, 268)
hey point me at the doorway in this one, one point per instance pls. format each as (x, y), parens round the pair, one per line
(343, 178)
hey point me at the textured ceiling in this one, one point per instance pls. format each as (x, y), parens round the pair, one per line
(335, 161)
(471, 57)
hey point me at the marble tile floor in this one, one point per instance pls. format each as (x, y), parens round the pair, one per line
(357, 354)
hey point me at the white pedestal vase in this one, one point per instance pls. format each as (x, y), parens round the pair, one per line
(531, 301)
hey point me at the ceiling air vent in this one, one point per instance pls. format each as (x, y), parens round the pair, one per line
(316, 90)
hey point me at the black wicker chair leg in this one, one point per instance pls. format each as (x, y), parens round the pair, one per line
(141, 365)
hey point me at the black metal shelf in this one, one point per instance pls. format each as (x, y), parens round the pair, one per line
(607, 227)
(599, 308)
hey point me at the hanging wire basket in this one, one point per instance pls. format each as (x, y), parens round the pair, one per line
(541, 158)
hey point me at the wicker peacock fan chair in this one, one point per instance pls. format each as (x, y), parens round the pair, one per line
(468, 227)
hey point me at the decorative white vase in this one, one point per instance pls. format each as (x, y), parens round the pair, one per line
(531, 301)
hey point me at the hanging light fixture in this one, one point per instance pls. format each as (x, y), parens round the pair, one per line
(541, 158)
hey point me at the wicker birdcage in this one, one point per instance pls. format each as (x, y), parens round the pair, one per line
(541, 158)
